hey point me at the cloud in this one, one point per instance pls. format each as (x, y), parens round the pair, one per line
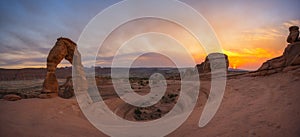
(262, 34)
(31, 28)
(153, 60)
(26, 60)
(291, 23)
(270, 32)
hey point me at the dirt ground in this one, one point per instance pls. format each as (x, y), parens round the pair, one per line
(252, 107)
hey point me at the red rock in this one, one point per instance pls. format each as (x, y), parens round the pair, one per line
(290, 56)
(66, 90)
(63, 48)
(11, 97)
(294, 34)
(217, 58)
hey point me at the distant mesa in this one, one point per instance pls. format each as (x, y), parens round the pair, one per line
(32, 73)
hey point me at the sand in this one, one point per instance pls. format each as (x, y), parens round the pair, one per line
(258, 106)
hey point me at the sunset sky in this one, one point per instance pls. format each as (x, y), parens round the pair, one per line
(250, 31)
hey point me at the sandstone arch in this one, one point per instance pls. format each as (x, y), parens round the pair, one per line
(64, 48)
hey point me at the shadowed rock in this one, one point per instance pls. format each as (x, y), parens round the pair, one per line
(66, 90)
(294, 34)
(218, 62)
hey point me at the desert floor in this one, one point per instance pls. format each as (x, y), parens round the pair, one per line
(259, 106)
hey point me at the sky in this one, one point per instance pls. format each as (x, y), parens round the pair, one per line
(250, 31)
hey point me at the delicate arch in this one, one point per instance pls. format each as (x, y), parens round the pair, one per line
(64, 48)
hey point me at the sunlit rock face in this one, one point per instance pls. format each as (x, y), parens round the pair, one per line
(220, 62)
(289, 58)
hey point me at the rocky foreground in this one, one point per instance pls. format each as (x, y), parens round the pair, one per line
(252, 106)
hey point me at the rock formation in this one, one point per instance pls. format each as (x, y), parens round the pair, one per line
(11, 97)
(66, 90)
(63, 48)
(217, 58)
(294, 34)
(290, 56)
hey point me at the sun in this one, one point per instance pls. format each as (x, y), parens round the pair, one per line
(234, 66)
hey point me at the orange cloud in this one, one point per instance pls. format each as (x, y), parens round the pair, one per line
(262, 34)
(291, 23)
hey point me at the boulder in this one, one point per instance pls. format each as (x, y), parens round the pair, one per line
(11, 97)
(66, 90)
